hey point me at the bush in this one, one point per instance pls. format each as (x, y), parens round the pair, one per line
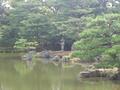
(78, 54)
(111, 58)
(75, 54)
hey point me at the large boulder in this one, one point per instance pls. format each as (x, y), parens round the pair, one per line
(92, 73)
(43, 54)
(56, 58)
(111, 74)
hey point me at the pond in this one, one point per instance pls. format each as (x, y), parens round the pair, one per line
(20, 75)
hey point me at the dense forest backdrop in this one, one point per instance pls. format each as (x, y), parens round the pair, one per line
(90, 27)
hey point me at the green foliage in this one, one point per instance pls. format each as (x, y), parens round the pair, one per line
(93, 26)
(111, 58)
(23, 44)
(100, 36)
(20, 44)
(75, 54)
(92, 44)
(9, 38)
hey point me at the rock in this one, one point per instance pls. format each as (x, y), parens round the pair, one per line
(43, 54)
(87, 74)
(111, 74)
(56, 58)
(28, 56)
(92, 73)
(38, 55)
(115, 76)
(113, 70)
(75, 60)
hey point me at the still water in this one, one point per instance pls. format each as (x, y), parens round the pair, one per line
(21, 75)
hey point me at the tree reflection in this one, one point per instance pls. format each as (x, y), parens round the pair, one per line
(24, 67)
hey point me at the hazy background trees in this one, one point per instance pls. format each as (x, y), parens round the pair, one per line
(90, 27)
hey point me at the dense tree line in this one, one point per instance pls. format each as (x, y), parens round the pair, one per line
(90, 27)
(100, 39)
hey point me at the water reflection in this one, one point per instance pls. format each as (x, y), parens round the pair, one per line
(24, 75)
(24, 67)
(57, 84)
(30, 64)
